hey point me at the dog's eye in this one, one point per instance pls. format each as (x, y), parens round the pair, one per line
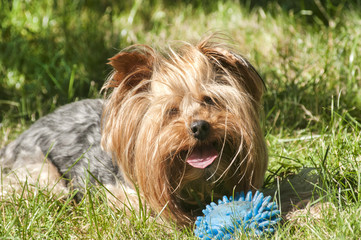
(173, 111)
(208, 100)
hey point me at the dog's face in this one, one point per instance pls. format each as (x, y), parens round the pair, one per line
(184, 126)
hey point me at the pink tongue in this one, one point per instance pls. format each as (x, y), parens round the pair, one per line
(202, 157)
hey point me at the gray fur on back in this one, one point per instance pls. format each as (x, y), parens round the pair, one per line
(70, 138)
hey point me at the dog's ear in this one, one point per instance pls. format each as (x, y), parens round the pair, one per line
(131, 67)
(236, 65)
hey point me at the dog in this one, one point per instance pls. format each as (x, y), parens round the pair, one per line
(179, 126)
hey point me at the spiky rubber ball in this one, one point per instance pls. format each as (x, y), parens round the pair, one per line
(257, 215)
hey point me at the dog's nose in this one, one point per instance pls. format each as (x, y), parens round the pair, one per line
(200, 129)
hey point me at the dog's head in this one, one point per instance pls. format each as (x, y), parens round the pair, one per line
(184, 124)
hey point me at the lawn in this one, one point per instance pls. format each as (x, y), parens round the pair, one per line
(308, 52)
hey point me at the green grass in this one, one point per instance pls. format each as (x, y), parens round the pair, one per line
(55, 52)
(40, 215)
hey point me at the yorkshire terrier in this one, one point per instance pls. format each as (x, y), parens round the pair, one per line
(180, 127)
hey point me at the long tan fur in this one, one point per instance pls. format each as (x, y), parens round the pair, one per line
(156, 96)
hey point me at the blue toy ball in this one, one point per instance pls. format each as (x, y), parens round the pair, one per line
(241, 214)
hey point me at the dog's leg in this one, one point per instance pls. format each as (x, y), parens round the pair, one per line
(27, 164)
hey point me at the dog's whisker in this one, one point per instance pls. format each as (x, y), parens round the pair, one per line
(246, 169)
(230, 164)
(221, 151)
(183, 172)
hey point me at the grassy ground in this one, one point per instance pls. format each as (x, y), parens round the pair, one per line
(54, 52)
